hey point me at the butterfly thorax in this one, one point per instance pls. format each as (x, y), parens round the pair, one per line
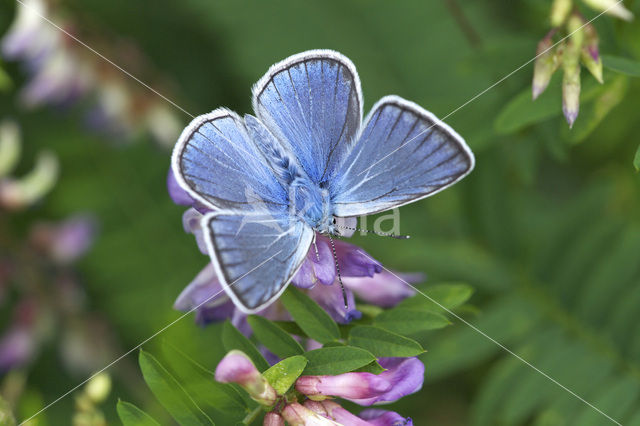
(310, 202)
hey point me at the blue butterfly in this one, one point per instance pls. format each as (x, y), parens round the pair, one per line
(305, 160)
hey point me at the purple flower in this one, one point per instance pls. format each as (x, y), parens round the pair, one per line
(17, 347)
(318, 268)
(68, 240)
(273, 419)
(405, 376)
(298, 415)
(236, 367)
(332, 300)
(347, 385)
(205, 295)
(335, 412)
(354, 262)
(177, 194)
(377, 417)
(384, 289)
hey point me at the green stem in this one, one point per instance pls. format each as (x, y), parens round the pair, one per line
(251, 417)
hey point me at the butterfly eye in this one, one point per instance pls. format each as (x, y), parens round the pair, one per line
(334, 220)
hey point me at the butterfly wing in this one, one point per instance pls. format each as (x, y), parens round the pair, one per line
(255, 255)
(312, 102)
(219, 164)
(404, 153)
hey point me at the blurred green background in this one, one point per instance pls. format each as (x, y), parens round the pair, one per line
(545, 229)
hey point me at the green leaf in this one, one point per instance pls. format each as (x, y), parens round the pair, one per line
(273, 337)
(291, 327)
(284, 374)
(372, 367)
(311, 318)
(383, 343)
(130, 415)
(170, 393)
(592, 113)
(410, 321)
(448, 296)
(337, 360)
(522, 111)
(636, 159)
(234, 339)
(222, 398)
(622, 65)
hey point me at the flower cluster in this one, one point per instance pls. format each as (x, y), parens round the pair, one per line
(62, 72)
(580, 46)
(37, 276)
(48, 253)
(361, 275)
(312, 401)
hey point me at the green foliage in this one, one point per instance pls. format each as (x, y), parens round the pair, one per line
(622, 65)
(336, 360)
(170, 393)
(233, 339)
(5, 80)
(285, 373)
(521, 111)
(310, 317)
(275, 338)
(570, 311)
(410, 321)
(130, 415)
(383, 343)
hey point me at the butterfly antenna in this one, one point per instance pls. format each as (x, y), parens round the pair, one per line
(381, 234)
(335, 258)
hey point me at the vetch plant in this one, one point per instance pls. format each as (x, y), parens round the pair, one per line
(579, 46)
(297, 371)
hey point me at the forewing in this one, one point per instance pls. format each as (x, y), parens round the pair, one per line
(313, 103)
(255, 256)
(216, 161)
(404, 153)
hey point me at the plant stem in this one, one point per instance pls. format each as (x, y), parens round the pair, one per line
(250, 418)
(465, 25)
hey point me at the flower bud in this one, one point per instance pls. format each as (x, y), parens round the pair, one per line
(348, 385)
(590, 54)
(236, 367)
(546, 63)
(273, 419)
(9, 147)
(339, 414)
(98, 388)
(20, 193)
(559, 11)
(298, 415)
(611, 7)
(571, 68)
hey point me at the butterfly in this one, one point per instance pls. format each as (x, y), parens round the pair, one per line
(306, 161)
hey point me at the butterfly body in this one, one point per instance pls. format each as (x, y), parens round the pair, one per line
(306, 160)
(311, 203)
